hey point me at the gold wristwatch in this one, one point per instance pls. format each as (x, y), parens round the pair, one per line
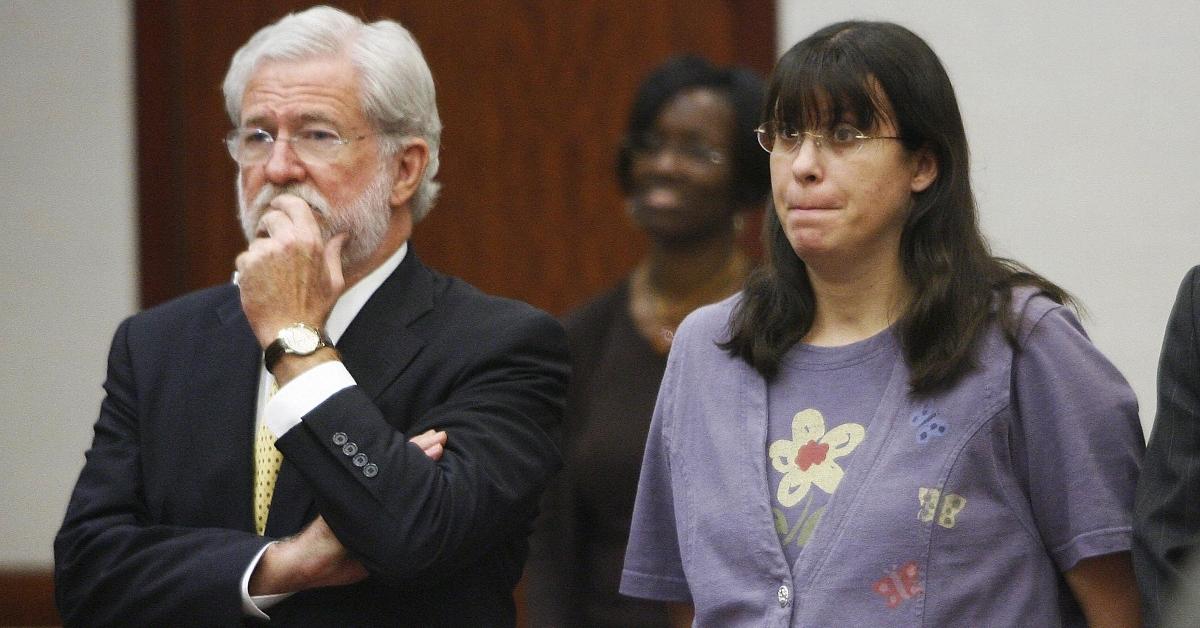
(295, 339)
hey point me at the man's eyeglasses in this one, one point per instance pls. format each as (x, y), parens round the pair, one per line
(249, 147)
(695, 152)
(842, 140)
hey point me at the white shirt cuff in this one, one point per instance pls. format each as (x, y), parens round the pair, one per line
(307, 391)
(253, 606)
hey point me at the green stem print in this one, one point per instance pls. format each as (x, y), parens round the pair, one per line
(805, 523)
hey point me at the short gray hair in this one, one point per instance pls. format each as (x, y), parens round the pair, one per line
(397, 92)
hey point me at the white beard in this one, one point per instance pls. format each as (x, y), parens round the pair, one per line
(365, 217)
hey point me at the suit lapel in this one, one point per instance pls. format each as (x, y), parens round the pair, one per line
(233, 349)
(379, 344)
(375, 348)
(292, 505)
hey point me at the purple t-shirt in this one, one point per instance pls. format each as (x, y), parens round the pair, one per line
(962, 508)
(819, 408)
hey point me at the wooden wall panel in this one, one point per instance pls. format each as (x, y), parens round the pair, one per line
(27, 598)
(531, 207)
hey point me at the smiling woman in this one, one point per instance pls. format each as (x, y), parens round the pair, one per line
(688, 166)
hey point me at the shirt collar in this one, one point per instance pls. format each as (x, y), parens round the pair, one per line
(352, 301)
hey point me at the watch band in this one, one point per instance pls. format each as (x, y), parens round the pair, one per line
(280, 346)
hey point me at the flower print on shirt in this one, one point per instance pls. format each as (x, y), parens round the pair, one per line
(806, 460)
(809, 458)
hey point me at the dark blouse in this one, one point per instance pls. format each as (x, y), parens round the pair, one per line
(578, 547)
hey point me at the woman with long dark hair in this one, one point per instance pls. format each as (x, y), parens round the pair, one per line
(889, 425)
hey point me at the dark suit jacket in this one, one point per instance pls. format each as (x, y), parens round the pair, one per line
(1167, 509)
(159, 529)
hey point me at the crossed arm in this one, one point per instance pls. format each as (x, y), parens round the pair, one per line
(315, 557)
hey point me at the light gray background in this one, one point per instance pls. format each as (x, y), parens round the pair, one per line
(67, 245)
(1082, 126)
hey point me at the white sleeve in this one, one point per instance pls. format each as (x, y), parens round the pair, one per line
(253, 606)
(304, 393)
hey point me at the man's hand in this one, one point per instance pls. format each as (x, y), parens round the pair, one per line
(289, 274)
(431, 442)
(315, 557)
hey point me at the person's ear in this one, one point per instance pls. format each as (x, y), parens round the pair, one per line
(925, 172)
(409, 166)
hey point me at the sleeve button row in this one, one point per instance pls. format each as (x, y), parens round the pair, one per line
(351, 449)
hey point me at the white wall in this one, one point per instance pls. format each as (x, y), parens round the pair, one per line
(1082, 120)
(67, 247)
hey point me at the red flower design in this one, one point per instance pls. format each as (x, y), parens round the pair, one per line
(811, 453)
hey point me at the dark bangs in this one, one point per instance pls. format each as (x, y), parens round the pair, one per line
(820, 83)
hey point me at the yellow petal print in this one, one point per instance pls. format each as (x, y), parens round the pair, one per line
(808, 458)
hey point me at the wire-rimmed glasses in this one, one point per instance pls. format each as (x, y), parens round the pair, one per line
(253, 146)
(842, 140)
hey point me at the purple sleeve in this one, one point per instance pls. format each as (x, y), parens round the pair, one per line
(653, 564)
(1078, 442)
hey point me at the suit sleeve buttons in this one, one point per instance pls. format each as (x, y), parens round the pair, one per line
(357, 458)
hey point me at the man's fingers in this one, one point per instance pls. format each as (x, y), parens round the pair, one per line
(431, 442)
(428, 438)
(333, 257)
(272, 222)
(301, 213)
(239, 263)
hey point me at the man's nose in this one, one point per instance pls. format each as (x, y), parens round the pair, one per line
(282, 165)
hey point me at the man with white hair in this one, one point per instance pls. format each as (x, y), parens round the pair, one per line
(345, 437)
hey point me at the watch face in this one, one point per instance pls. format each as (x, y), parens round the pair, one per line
(301, 340)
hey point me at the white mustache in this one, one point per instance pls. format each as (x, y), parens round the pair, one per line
(271, 191)
(364, 218)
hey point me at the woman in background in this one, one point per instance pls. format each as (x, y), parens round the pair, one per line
(889, 426)
(688, 166)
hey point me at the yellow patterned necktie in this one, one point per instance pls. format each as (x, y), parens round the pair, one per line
(266, 468)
